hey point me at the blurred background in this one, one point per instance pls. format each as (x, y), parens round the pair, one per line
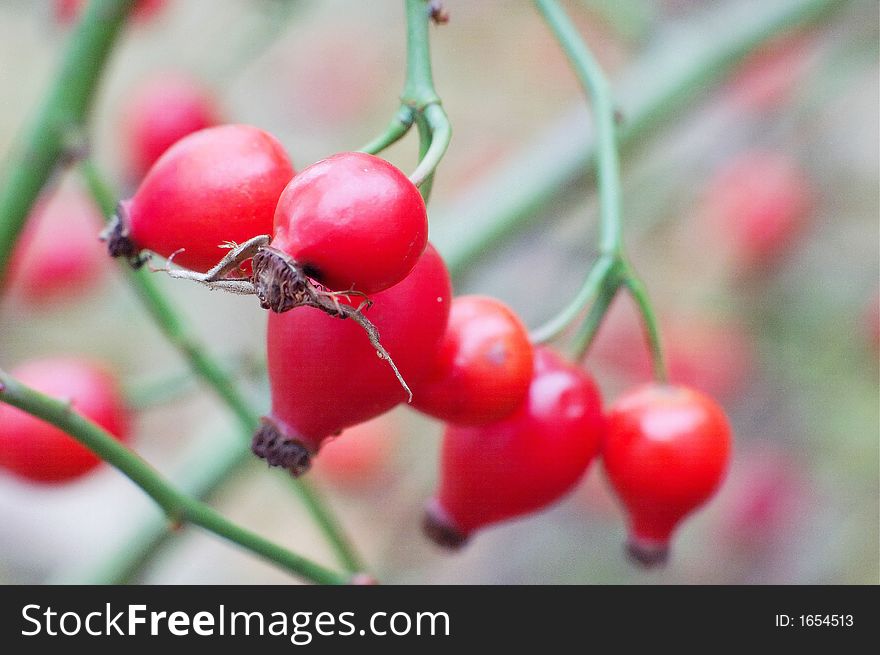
(751, 211)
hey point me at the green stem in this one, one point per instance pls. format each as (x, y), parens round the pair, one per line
(593, 321)
(440, 134)
(597, 279)
(667, 78)
(607, 161)
(209, 470)
(426, 185)
(178, 507)
(637, 290)
(418, 89)
(58, 125)
(181, 336)
(396, 130)
(604, 278)
(420, 103)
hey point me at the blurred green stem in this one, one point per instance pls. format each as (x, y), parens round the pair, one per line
(178, 507)
(181, 336)
(58, 127)
(611, 270)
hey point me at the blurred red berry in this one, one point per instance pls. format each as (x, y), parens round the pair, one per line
(520, 464)
(763, 499)
(759, 203)
(162, 111)
(769, 77)
(665, 453)
(38, 451)
(482, 368)
(714, 356)
(358, 456)
(58, 254)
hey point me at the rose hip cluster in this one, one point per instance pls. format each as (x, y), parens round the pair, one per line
(346, 238)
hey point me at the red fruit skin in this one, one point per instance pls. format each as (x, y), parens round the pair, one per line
(353, 221)
(760, 203)
(358, 456)
(67, 11)
(666, 451)
(483, 367)
(326, 376)
(769, 77)
(40, 452)
(214, 186)
(161, 112)
(59, 254)
(526, 461)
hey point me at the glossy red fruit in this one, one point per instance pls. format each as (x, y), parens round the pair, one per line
(520, 464)
(353, 222)
(666, 451)
(483, 367)
(162, 111)
(212, 187)
(67, 11)
(764, 499)
(58, 255)
(38, 451)
(759, 202)
(326, 376)
(359, 455)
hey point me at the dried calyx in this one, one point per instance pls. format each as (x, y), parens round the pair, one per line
(119, 243)
(271, 444)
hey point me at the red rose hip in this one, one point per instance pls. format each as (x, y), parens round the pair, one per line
(162, 111)
(483, 367)
(352, 222)
(325, 375)
(666, 451)
(520, 464)
(58, 255)
(38, 451)
(760, 202)
(213, 187)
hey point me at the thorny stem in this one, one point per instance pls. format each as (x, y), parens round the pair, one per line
(178, 507)
(611, 270)
(58, 125)
(205, 366)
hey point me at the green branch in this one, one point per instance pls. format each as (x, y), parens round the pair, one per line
(611, 271)
(172, 324)
(420, 104)
(178, 507)
(677, 71)
(58, 126)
